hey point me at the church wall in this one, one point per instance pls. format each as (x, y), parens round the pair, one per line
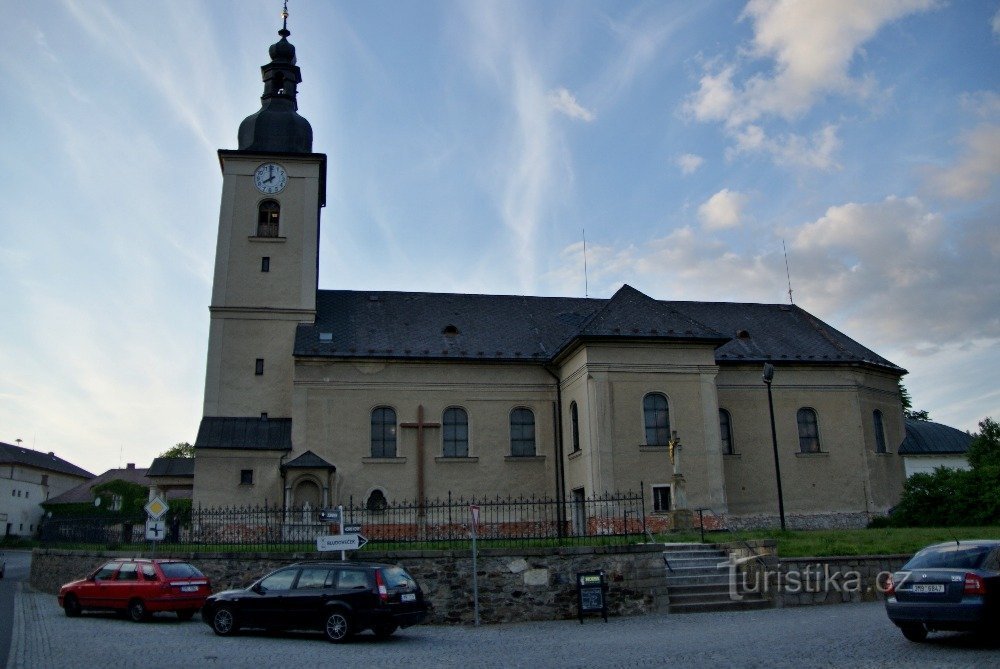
(217, 478)
(837, 480)
(609, 382)
(886, 470)
(334, 401)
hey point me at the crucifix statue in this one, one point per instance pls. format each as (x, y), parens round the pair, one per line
(420, 425)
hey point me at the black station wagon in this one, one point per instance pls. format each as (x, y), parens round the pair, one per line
(337, 598)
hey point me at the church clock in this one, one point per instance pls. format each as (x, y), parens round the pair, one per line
(270, 178)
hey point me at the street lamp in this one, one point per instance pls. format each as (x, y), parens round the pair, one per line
(768, 377)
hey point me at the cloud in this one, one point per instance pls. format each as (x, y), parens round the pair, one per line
(810, 46)
(564, 102)
(689, 163)
(977, 169)
(722, 210)
(995, 23)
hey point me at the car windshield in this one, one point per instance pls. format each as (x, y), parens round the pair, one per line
(954, 556)
(180, 570)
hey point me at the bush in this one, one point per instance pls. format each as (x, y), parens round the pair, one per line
(951, 497)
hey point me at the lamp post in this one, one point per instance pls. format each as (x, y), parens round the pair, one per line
(768, 377)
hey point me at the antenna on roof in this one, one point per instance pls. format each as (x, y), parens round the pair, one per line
(788, 274)
(586, 286)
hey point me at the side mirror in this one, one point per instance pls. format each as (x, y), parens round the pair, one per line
(258, 588)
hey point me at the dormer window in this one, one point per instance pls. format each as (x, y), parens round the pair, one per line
(268, 216)
(450, 330)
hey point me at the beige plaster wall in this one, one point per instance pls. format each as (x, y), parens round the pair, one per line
(334, 401)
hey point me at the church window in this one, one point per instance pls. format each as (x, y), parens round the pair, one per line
(726, 431)
(455, 431)
(522, 432)
(246, 477)
(268, 216)
(259, 367)
(657, 419)
(661, 498)
(808, 431)
(879, 432)
(376, 501)
(265, 264)
(574, 417)
(383, 432)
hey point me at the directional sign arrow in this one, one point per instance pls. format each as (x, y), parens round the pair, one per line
(340, 542)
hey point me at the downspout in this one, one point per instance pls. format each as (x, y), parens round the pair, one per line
(560, 472)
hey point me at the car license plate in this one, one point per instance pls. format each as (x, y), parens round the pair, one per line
(408, 597)
(928, 587)
(189, 588)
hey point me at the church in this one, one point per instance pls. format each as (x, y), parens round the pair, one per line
(322, 397)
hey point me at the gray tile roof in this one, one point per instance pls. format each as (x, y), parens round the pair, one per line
(926, 438)
(265, 434)
(176, 467)
(309, 460)
(454, 326)
(26, 457)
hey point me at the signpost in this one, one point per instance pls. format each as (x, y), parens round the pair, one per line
(156, 529)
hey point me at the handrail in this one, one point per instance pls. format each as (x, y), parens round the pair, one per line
(701, 525)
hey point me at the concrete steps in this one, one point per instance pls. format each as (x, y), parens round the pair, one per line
(699, 580)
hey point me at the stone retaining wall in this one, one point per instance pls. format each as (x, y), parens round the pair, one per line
(514, 584)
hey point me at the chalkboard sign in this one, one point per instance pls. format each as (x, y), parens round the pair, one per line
(591, 594)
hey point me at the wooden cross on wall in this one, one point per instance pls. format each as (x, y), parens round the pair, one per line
(420, 425)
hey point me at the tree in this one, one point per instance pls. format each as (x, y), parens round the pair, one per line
(907, 402)
(179, 450)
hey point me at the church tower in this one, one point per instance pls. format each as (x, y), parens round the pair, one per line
(265, 282)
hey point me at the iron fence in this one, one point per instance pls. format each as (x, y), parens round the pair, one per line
(439, 523)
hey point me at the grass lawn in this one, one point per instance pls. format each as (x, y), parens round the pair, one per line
(875, 541)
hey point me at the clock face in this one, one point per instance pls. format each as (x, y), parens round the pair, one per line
(270, 178)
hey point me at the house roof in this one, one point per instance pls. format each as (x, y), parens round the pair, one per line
(82, 492)
(175, 467)
(262, 434)
(455, 326)
(26, 457)
(926, 438)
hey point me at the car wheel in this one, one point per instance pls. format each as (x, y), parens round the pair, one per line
(384, 630)
(337, 626)
(186, 615)
(72, 606)
(137, 611)
(224, 621)
(915, 632)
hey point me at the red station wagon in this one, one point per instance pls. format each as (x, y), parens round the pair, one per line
(139, 587)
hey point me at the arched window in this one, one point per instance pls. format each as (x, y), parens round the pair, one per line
(522, 432)
(879, 431)
(268, 216)
(574, 417)
(383, 432)
(455, 432)
(726, 431)
(376, 501)
(808, 431)
(657, 419)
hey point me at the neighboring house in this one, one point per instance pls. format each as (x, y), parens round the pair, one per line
(928, 446)
(172, 478)
(27, 479)
(84, 493)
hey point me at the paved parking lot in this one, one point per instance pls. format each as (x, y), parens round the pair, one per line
(849, 635)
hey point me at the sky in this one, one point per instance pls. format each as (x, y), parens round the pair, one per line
(476, 147)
